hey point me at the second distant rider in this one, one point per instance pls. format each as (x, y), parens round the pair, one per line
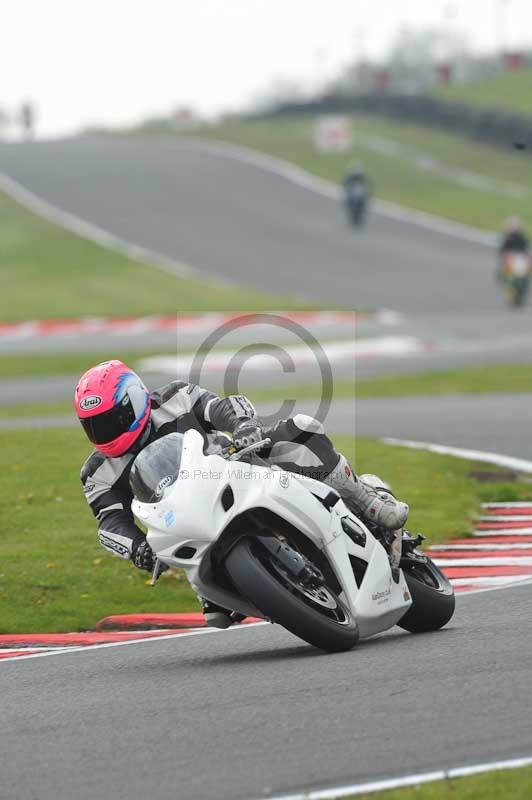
(513, 240)
(357, 192)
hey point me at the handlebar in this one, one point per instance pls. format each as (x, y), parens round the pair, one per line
(232, 454)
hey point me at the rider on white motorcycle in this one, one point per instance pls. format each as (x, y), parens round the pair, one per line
(121, 417)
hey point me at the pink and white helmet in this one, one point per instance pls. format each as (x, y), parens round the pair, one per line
(113, 406)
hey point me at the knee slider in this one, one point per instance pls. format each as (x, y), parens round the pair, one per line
(308, 424)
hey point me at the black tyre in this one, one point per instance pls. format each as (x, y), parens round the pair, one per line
(520, 297)
(315, 615)
(432, 597)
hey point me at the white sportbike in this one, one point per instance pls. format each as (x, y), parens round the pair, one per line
(268, 543)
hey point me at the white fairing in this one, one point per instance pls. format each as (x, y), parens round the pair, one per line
(190, 514)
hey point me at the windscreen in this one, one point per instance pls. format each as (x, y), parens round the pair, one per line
(156, 468)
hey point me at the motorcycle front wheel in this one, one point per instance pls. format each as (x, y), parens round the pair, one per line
(433, 598)
(315, 615)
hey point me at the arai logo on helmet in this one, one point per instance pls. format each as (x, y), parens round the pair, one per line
(161, 486)
(91, 402)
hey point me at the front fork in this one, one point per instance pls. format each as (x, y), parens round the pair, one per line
(395, 552)
(398, 543)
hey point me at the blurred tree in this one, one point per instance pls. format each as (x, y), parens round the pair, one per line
(278, 92)
(412, 62)
(415, 53)
(27, 120)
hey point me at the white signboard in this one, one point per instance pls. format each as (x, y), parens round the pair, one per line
(333, 134)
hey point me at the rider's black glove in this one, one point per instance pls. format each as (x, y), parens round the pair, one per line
(143, 556)
(248, 431)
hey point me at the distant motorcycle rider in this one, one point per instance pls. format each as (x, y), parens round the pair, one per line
(121, 417)
(513, 240)
(357, 192)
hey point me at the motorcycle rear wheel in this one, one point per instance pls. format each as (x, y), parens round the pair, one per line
(315, 615)
(433, 600)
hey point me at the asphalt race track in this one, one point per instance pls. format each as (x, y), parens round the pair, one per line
(247, 713)
(222, 216)
(254, 712)
(254, 227)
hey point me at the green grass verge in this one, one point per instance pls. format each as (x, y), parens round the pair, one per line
(25, 365)
(35, 410)
(56, 577)
(475, 380)
(515, 784)
(47, 272)
(396, 179)
(509, 91)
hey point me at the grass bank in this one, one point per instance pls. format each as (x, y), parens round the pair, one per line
(508, 91)
(35, 410)
(47, 272)
(24, 365)
(56, 577)
(475, 380)
(412, 165)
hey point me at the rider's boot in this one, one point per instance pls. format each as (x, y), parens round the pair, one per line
(368, 496)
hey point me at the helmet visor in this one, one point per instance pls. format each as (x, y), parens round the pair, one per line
(108, 426)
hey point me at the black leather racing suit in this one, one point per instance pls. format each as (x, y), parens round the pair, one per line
(514, 242)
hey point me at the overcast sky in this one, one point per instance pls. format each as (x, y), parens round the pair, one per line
(115, 61)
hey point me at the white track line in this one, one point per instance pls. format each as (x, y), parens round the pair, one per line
(480, 547)
(507, 518)
(298, 355)
(517, 464)
(93, 233)
(406, 780)
(516, 504)
(88, 647)
(503, 532)
(486, 561)
(497, 581)
(487, 585)
(19, 649)
(306, 180)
